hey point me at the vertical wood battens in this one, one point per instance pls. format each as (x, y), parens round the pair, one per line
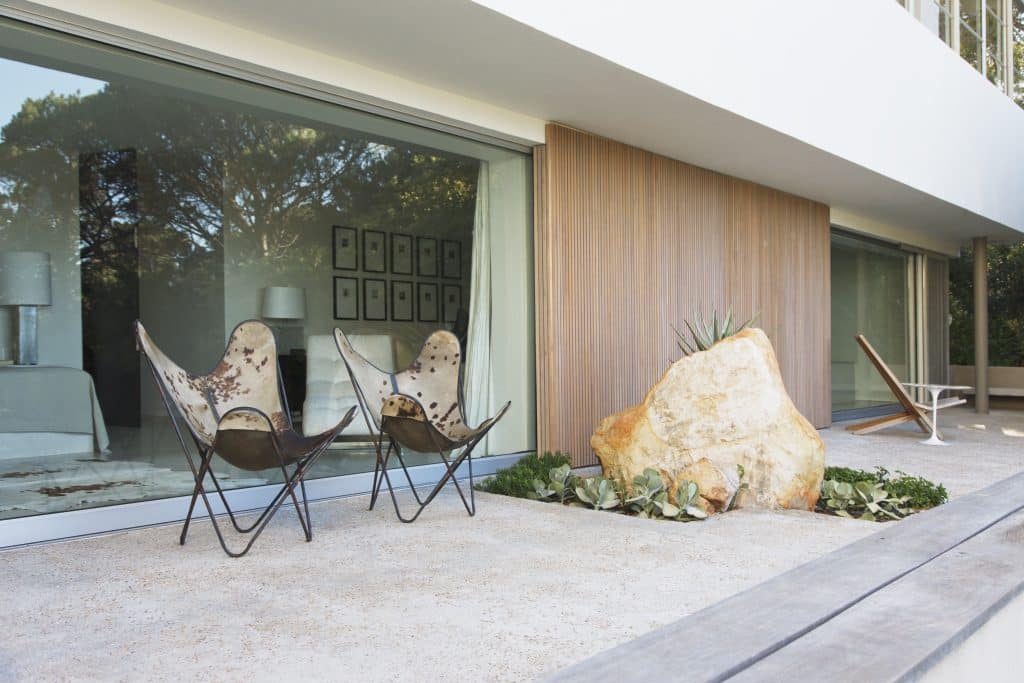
(629, 244)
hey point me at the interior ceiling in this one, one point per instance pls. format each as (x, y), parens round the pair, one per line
(461, 47)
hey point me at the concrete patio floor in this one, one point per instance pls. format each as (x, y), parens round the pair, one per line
(522, 590)
(983, 449)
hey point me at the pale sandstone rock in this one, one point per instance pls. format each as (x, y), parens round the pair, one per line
(726, 406)
(716, 487)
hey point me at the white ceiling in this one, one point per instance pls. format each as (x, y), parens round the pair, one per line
(461, 47)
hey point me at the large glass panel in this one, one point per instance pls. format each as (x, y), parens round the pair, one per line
(870, 296)
(995, 35)
(970, 32)
(1017, 9)
(938, 17)
(178, 197)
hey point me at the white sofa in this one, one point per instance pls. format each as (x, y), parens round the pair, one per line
(329, 391)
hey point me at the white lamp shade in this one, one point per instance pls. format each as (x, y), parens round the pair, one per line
(25, 278)
(284, 303)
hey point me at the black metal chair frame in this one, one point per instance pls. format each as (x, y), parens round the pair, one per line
(451, 464)
(451, 468)
(206, 453)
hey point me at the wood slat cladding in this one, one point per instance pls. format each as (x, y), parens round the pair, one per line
(629, 244)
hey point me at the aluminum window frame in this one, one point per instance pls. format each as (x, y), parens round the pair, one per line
(1002, 55)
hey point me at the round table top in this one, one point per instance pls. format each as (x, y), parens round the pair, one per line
(942, 387)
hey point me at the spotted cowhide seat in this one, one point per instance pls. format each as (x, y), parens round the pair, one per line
(238, 411)
(419, 409)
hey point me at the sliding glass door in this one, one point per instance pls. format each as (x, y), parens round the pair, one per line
(872, 294)
(193, 202)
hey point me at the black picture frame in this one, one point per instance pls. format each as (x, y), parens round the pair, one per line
(345, 248)
(375, 299)
(451, 260)
(375, 251)
(426, 257)
(401, 254)
(402, 303)
(451, 302)
(426, 302)
(346, 302)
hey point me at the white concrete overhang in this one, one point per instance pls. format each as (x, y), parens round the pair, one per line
(852, 103)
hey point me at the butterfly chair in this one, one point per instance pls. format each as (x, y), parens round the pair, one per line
(420, 409)
(239, 412)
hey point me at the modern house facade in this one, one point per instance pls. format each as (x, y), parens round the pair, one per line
(559, 184)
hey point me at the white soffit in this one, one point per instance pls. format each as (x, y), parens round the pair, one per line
(863, 130)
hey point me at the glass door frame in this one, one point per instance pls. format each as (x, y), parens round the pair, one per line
(916, 281)
(47, 527)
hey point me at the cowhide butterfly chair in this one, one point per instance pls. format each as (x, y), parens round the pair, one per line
(419, 409)
(238, 411)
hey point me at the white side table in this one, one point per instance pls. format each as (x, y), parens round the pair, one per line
(935, 390)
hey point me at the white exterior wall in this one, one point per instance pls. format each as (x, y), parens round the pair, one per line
(860, 79)
(853, 103)
(202, 33)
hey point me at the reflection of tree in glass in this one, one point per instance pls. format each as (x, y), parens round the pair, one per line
(1017, 19)
(209, 175)
(108, 217)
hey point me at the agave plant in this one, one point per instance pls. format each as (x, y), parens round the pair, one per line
(686, 500)
(599, 493)
(704, 335)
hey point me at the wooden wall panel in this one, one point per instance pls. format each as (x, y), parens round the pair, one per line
(629, 244)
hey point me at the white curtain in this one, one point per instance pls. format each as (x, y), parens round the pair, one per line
(479, 401)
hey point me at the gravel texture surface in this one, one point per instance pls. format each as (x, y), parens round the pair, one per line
(522, 589)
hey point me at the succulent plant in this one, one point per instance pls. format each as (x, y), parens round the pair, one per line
(740, 488)
(866, 500)
(599, 493)
(704, 335)
(687, 494)
(647, 487)
(557, 487)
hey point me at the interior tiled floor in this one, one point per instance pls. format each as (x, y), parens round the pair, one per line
(143, 463)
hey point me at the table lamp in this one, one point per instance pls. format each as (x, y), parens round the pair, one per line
(284, 303)
(25, 284)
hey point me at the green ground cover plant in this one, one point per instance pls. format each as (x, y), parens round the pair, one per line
(877, 496)
(646, 496)
(517, 480)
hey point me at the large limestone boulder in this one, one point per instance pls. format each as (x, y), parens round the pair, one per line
(714, 410)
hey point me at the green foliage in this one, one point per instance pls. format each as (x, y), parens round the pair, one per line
(848, 475)
(704, 335)
(866, 500)
(560, 485)
(1006, 305)
(919, 492)
(743, 486)
(598, 493)
(877, 496)
(649, 497)
(517, 480)
(687, 500)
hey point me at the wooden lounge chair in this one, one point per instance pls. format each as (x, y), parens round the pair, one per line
(912, 412)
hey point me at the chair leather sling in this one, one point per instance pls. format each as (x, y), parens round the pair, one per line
(239, 412)
(420, 409)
